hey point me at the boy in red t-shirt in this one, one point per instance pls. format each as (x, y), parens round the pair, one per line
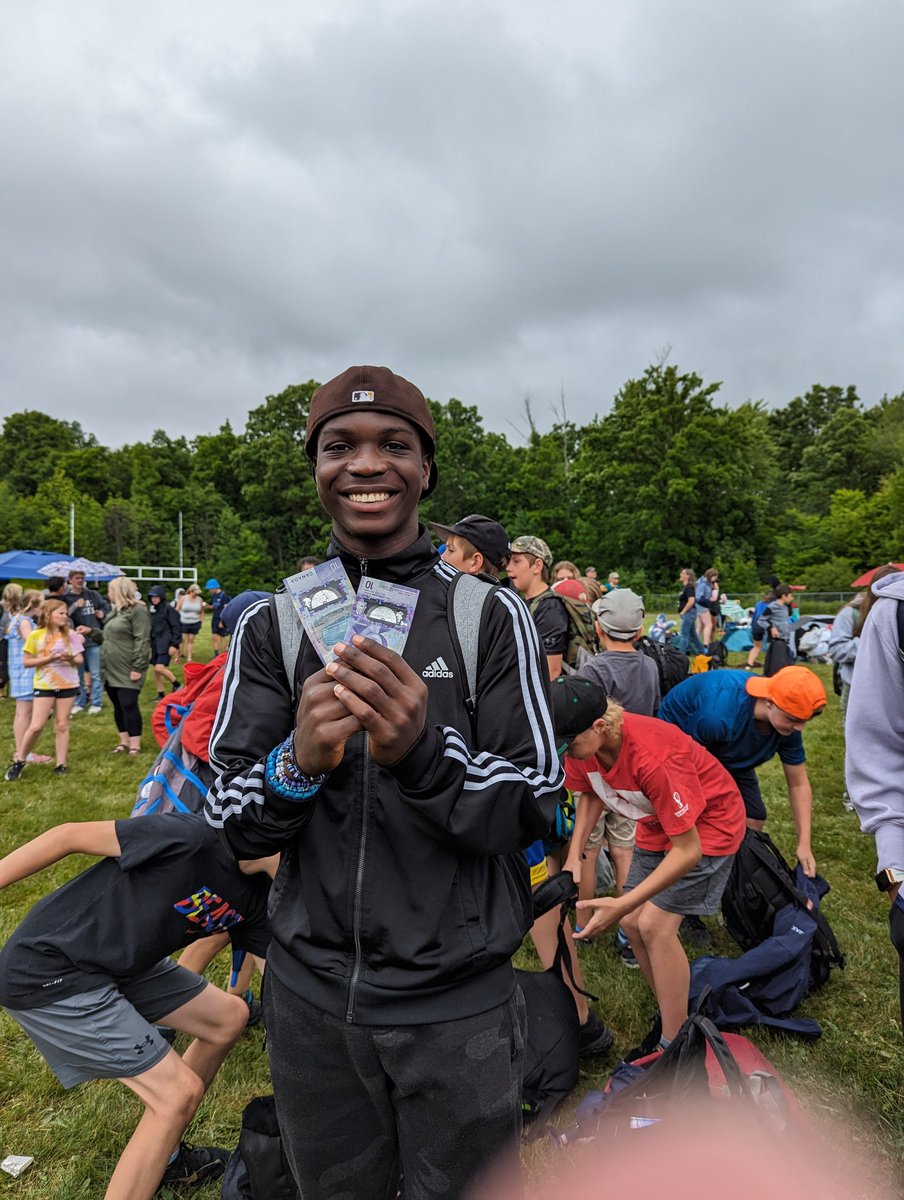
(690, 823)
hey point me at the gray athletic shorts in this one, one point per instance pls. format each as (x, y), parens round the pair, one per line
(696, 894)
(108, 1032)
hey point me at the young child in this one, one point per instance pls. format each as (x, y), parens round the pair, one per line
(756, 631)
(87, 976)
(55, 652)
(631, 679)
(690, 823)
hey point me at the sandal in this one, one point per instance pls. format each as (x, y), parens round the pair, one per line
(134, 750)
(120, 749)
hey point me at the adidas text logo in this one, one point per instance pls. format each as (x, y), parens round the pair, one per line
(437, 670)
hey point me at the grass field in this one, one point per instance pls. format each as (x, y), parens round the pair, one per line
(856, 1070)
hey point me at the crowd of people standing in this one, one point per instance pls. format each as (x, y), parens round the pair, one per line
(69, 648)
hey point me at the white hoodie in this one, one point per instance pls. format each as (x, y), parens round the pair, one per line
(874, 726)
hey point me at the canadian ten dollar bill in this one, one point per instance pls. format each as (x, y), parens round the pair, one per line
(323, 597)
(383, 612)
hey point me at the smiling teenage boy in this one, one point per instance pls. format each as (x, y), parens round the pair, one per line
(690, 823)
(396, 1029)
(744, 720)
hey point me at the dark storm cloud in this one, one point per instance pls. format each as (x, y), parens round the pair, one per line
(202, 206)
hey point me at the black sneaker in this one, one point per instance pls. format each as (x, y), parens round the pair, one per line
(650, 1042)
(694, 932)
(62, 769)
(160, 696)
(255, 1009)
(595, 1037)
(195, 1164)
(15, 769)
(625, 953)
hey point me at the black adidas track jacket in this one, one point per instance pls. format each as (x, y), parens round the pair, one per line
(402, 893)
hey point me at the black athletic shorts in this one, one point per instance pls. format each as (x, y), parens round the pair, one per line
(749, 787)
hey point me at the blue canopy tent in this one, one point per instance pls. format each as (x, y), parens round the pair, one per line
(25, 564)
(33, 564)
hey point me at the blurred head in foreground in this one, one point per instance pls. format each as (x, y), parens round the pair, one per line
(707, 1153)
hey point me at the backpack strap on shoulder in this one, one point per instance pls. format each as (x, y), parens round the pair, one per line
(290, 633)
(465, 603)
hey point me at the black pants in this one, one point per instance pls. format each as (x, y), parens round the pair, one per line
(749, 787)
(896, 930)
(361, 1105)
(126, 712)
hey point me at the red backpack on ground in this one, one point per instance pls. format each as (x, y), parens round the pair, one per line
(182, 722)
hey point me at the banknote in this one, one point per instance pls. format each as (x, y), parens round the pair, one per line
(383, 612)
(323, 597)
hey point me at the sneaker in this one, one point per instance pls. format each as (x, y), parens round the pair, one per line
(94, 710)
(650, 1042)
(255, 1009)
(595, 1037)
(195, 1164)
(625, 953)
(584, 941)
(694, 932)
(62, 769)
(160, 696)
(76, 709)
(15, 770)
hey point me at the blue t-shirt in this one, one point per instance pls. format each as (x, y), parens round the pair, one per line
(716, 709)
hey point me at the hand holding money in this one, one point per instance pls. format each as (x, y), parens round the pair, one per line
(322, 726)
(386, 696)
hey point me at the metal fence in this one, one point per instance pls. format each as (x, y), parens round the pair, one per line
(153, 574)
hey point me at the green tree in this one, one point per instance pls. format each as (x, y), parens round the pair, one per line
(279, 500)
(45, 518)
(668, 480)
(840, 452)
(240, 559)
(32, 445)
(796, 426)
(213, 464)
(473, 465)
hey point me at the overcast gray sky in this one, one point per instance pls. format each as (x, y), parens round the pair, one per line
(205, 202)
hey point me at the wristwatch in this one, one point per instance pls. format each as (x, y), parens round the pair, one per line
(887, 878)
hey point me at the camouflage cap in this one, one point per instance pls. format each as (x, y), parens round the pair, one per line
(532, 545)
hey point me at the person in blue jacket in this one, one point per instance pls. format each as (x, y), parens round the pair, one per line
(744, 720)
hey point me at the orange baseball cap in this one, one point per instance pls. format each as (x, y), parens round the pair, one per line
(795, 690)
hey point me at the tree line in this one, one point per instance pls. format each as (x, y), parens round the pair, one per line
(669, 477)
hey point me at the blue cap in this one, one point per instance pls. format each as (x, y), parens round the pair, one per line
(234, 609)
(212, 583)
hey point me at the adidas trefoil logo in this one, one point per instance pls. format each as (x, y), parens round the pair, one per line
(437, 670)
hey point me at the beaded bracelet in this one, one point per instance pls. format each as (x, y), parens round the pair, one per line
(285, 777)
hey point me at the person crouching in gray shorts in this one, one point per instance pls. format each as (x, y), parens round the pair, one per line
(87, 975)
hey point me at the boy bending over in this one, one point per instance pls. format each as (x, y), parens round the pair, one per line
(87, 976)
(690, 823)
